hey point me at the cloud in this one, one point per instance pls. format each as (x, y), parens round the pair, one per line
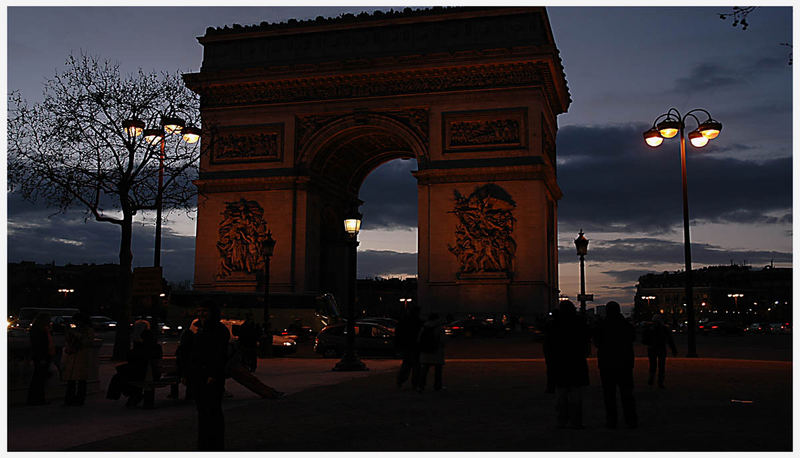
(644, 251)
(613, 182)
(390, 196)
(386, 263)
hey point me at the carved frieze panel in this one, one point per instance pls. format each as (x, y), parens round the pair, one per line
(484, 130)
(484, 241)
(254, 143)
(241, 232)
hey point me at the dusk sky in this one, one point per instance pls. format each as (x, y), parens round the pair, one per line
(624, 66)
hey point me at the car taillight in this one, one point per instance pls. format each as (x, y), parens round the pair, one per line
(714, 327)
(456, 328)
(701, 326)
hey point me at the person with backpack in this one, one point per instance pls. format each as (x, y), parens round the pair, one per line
(431, 351)
(568, 339)
(614, 340)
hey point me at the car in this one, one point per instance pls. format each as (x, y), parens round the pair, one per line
(59, 324)
(472, 327)
(720, 327)
(102, 323)
(283, 345)
(757, 328)
(780, 328)
(370, 339)
(390, 323)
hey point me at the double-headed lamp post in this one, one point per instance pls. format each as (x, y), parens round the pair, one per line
(350, 362)
(582, 245)
(669, 125)
(169, 126)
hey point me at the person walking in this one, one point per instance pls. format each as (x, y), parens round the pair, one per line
(42, 353)
(207, 361)
(657, 336)
(568, 341)
(407, 345)
(77, 353)
(431, 352)
(614, 338)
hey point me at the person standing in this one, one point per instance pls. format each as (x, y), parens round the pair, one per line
(145, 366)
(77, 353)
(42, 353)
(407, 345)
(249, 335)
(431, 352)
(657, 336)
(207, 361)
(614, 340)
(568, 341)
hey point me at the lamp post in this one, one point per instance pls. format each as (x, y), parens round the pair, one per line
(267, 248)
(648, 299)
(736, 297)
(582, 244)
(169, 126)
(672, 124)
(350, 362)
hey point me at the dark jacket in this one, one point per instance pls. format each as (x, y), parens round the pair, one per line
(567, 344)
(209, 352)
(41, 345)
(143, 355)
(657, 336)
(614, 339)
(407, 332)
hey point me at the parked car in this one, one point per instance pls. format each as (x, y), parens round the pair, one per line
(370, 339)
(102, 323)
(472, 327)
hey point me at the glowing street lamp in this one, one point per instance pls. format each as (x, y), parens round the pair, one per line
(669, 125)
(350, 362)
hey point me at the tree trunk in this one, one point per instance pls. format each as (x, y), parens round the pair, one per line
(123, 311)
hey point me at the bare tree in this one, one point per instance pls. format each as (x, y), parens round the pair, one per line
(70, 150)
(739, 15)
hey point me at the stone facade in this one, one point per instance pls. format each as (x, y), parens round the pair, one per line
(295, 118)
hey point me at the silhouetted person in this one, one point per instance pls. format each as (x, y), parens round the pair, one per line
(614, 338)
(42, 353)
(548, 353)
(431, 352)
(406, 342)
(207, 360)
(183, 356)
(249, 333)
(145, 365)
(77, 354)
(657, 336)
(568, 339)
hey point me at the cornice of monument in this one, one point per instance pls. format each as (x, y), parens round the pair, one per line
(265, 87)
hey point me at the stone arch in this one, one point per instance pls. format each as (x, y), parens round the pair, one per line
(358, 143)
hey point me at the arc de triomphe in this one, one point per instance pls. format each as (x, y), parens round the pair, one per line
(297, 114)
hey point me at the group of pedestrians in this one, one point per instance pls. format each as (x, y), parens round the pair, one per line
(567, 345)
(75, 359)
(421, 345)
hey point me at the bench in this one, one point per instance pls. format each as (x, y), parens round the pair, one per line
(170, 379)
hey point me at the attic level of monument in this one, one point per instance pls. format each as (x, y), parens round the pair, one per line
(296, 115)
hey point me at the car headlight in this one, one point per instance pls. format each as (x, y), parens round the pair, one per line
(112, 325)
(288, 344)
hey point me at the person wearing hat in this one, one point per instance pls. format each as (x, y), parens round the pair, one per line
(657, 336)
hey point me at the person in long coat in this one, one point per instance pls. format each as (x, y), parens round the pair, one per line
(614, 340)
(569, 342)
(431, 352)
(77, 353)
(207, 360)
(407, 345)
(42, 352)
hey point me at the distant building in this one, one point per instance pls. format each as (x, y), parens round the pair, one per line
(89, 287)
(725, 293)
(385, 296)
